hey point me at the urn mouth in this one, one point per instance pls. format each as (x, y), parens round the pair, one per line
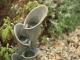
(21, 34)
(30, 53)
(35, 17)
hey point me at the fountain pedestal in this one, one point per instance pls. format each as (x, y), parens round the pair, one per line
(27, 34)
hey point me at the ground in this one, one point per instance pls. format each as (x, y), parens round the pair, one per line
(63, 48)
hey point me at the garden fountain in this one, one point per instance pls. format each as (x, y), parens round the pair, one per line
(27, 34)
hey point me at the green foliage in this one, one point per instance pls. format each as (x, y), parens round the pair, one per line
(45, 40)
(67, 17)
(63, 17)
(30, 5)
(50, 4)
(6, 30)
(22, 11)
(6, 33)
(3, 1)
(6, 52)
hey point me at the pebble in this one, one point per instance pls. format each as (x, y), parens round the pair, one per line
(61, 50)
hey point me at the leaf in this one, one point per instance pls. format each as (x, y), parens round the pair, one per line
(6, 30)
(31, 5)
(5, 34)
(11, 50)
(3, 49)
(7, 56)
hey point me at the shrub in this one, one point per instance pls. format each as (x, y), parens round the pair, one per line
(63, 16)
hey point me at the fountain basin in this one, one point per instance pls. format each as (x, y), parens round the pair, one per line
(30, 54)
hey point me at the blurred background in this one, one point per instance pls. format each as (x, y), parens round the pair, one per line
(61, 27)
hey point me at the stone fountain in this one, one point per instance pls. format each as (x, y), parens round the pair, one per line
(27, 34)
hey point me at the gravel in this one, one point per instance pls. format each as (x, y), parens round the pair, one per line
(64, 48)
